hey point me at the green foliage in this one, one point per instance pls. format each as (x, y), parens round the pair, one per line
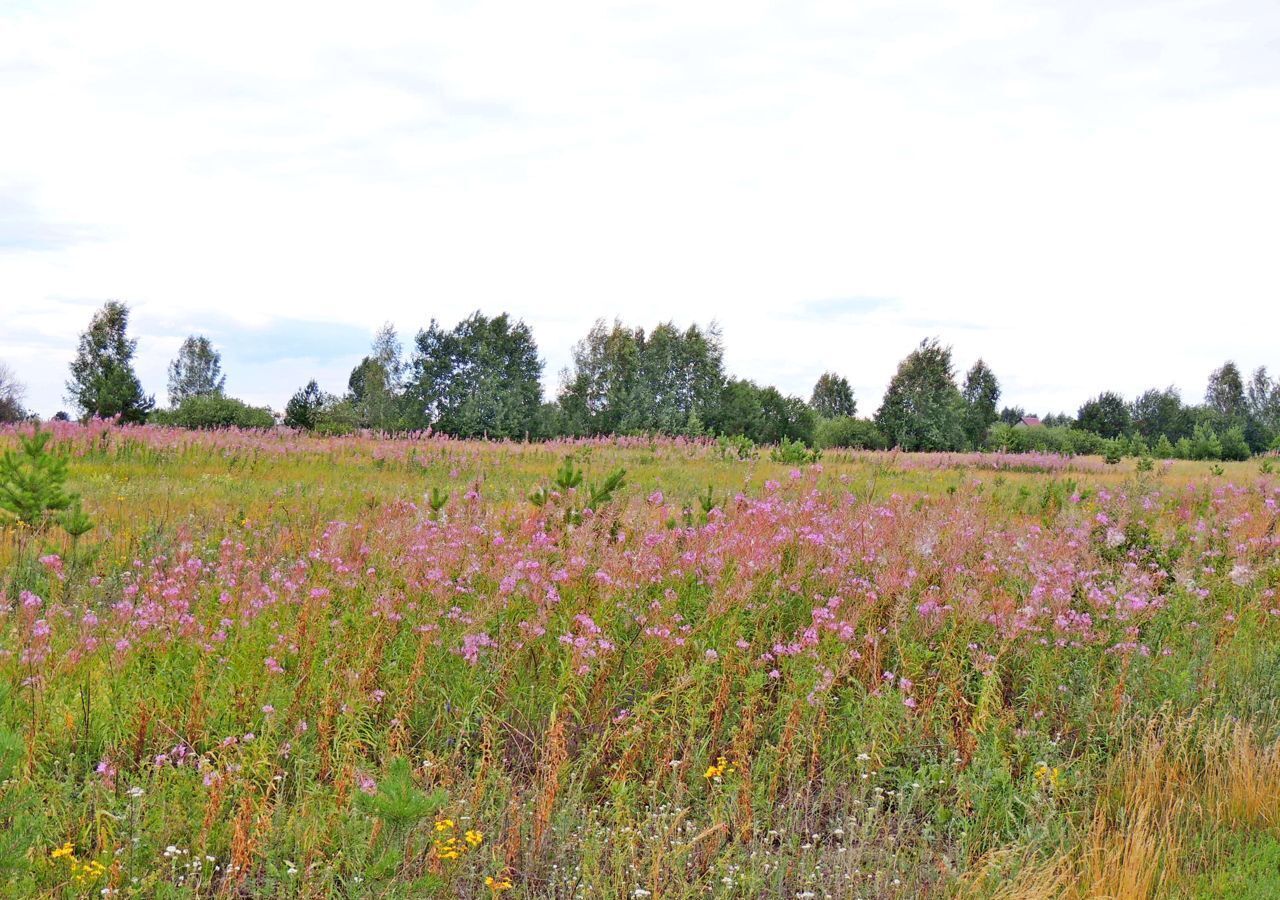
(1157, 414)
(1045, 439)
(981, 394)
(336, 416)
(1225, 393)
(565, 482)
(214, 411)
(196, 371)
(765, 415)
(568, 476)
(737, 447)
(398, 802)
(833, 397)
(1204, 444)
(480, 379)
(304, 406)
(103, 382)
(627, 381)
(601, 493)
(1234, 445)
(20, 808)
(794, 453)
(75, 521)
(32, 481)
(437, 499)
(922, 407)
(1249, 871)
(374, 387)
(1106, 414)
(849, 433)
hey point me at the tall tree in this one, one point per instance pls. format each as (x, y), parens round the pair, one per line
(763, 414)
(833, 396)
(11, 396)
(922, 406)
(981, 394)
(624, 380)
(103, 382)
(304, 405)
(480, 378)
(1225, 393)
(1106, 414)
(1263, 406)
(196, 371)
(375, 384)
(1161, 413)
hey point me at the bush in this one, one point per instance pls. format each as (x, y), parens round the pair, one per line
(794, 453)
(214, 411)
(1234, 445)
(1204, 444)
(337, 417)
(849, 433)
(737, 447)
(1057, 439)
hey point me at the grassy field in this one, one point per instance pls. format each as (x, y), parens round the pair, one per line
(277, 668)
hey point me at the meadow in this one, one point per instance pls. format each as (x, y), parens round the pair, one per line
(289, 666)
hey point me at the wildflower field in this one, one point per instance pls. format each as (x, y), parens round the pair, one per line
(290, 666)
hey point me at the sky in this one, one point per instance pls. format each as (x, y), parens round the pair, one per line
(1084, 193)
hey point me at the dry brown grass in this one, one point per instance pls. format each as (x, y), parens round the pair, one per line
(1178, 786)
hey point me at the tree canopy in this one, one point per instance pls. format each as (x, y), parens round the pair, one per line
(103, 382)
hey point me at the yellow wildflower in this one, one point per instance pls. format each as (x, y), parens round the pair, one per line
(67, 849)
(497, 885)
(718, 769)
(474, 838)
(444, 825)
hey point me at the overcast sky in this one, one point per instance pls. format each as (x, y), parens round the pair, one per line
(1086, 194)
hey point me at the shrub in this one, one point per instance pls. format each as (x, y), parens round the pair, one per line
(794, 453)
(214, 411)
(1234, 445)
(849, 433)
(1204, 444)
(738, 446)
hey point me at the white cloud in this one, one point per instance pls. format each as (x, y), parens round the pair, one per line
(1083, 193)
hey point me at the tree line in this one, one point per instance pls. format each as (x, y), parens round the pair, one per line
(483, 378)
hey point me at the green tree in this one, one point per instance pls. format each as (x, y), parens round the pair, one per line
(1106, 414)
(833, 397)
(376, 384)
(480, 378)
(1156, 413)
(1012, 415)
(922, 407)
(304, 406)
(32, 481)
(1263, 408)
(981, 394)
(196, 371)
(624, 380)
(11, 396)
(103, 382)
(1225, 392)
